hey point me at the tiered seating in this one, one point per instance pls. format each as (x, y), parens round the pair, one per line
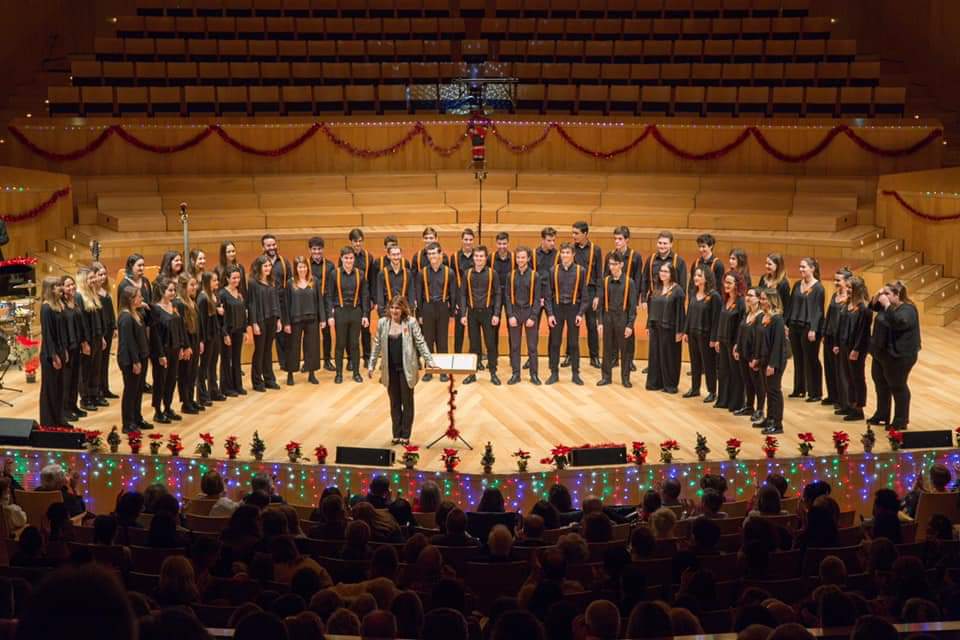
(707, 57)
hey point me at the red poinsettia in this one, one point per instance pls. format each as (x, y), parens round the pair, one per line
(521, 454)
(232, 445)
(320, 453)
(174, 445)
(841, 440)
(670, 445)
(293, 451)
(205, 446)
(134, 440)
(450, 459)
(770, 446)
(896, 439)
(806, 443)
(733, 447)
(639, 451)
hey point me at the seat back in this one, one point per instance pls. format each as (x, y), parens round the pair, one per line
(931, 504)
(199, 506)
(149, 559)
(36, 503)
(205, 523)
(480, 523)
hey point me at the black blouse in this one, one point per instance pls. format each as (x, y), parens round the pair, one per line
(234, 312)
(854, 328)
(749, 335)
(783, 290)
(773, 344)
(702, 315)
(108, 315)
(91, 322)
(146, 291)
(904, 331)
(666, 311)
(303, 304)
(222, 277)
(51, 340)
(729, 322)
(263, 303)
(211, 324)
(71, 330)
(831, 324)
(132, 345)
(806, 308)
(167, 333)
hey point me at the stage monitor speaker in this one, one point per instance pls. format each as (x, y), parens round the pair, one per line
(598, 456)
(927, 439)
(366, 456)
(16, 430)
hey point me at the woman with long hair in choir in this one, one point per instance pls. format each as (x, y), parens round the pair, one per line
(745, 353)
(210, 312)
(133, 277)
(739, 262)
(188, 367)
(53, 353)
(665, 323)
(171, 266)
(109, 327)
(775, 277)
(833, 370)
(71, 325)
(228, 259)
(852, 343)
(895, 345)
(804, 328)
(700, 332)
(234, 330)
(304, 312)
(92, 341)
(773, 358)
(168, 344)
(263, 308)
(198, 263)
(133, 351)
(729, 380)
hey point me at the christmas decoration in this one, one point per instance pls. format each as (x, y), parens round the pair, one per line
(868, 439)
(293, 451)
(30, 214)
(134, 440)
(257, 446)
(701, 449)
(205, 446)
(113, 440)
(452, 431)
(667, 447)
(733, 448)
(488, 458)
(174, 445)
(94, 442)
(806, 443)
(770, 446)
(639, 450)
(895, 438)
(841, 441)
(232, 445)
(920, 214)
(320, 453)
(450, 459)
(558, 457)
(523, 457)
(411, 455)
(155, 443)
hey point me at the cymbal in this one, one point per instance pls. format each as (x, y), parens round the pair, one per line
(25, 285)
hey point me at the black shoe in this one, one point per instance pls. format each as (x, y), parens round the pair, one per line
(338, 379)
(71, 415)
(147, 387)
(711, 397)
(101, 402)
(173, 415)
(289, 379)
(828, 401)
(693, 393)
(633, 367)
(577, 380)
(220, 397)
(241, 391)
(743, 411)
(229, 394)
(814, 399)
(649, 388)
(356, 377)
(670, 390)
(129, 428)
(88, 406)
(757, 419)
(494, 380)
(603, 382)
(444, 377)
(626, 383)
(272, 385)
(259, 388)
(877, 420)
(110, 394)
(514, 379)
(855, 415)
(189, 409)
(772, 428)
(797, 394)
(552, 379)
(328, 366)
(646, 370)
(312, 378)
(427, 377)
(205, 403)
(67, 425)
(719, 405)
(566, 362)
(535, 379)
(480, 365)
(595, 362)
(145, 426)
(161, 418)
(470, 379)
(842, 412)
(526, 365)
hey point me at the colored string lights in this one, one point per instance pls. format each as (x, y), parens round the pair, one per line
(853, 477)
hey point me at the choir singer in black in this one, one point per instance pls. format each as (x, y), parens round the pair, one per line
(436, 300)
(523, 300)
(349, 299)
(481, 298)
(566, 300)
(618, 312)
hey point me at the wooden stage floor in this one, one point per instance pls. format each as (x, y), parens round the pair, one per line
(524, 416)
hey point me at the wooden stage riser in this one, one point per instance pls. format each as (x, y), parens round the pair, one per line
(854, 477)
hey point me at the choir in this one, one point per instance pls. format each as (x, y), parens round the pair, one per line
(189, 326)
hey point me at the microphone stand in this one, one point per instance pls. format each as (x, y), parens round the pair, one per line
(185, 221)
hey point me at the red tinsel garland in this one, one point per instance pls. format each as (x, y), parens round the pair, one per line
(920, 214)
(29, 214)
(452, 431)
(419, 130)
(18, 262)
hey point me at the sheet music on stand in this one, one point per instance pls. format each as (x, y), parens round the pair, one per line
(454, 363)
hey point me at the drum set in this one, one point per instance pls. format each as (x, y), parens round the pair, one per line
(16, 319)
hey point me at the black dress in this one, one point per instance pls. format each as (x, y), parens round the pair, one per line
(304, 312)
(51, 378)
(665, 320)
(91, 323)
(729, 379)
(701, 330)
(167, 338)
(263, 308)
(109, 316)
(234, 327)
(71, 332)
(132, 348)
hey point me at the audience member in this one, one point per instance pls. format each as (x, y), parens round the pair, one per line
(333, 519)
(408, 611)
(664, 522)
(430, 496)
(602, 620)
(54, 478)
(177, 585)
(14, 517)
(212, 488)
(455, 525)
(649, 620)
(670, 493)
(443, 624)
(379, 492)
(518, 624)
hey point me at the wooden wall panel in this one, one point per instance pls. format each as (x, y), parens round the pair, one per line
(30, 236)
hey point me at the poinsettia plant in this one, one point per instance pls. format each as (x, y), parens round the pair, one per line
(841, 441)
(770, 446)
(134, 440)
(174, 445)
(411, 455)
(205, 446)
(639, 453)
(450, 459)
(320, 453)
(559, 457)
(94, 441)
(806, 443)
(733, 448)
(293, 451)
(895, 438)
(156, 441)
(232, 446)
(667, 447)
(523, 457)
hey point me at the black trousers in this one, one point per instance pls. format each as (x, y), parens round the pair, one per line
(593, 337)
(480, 328)
(798, 335)
(90, 366)
(890, 377)
(164, 381)
(831, 368)
(703, 362)
(841, 377)
(759, 381)
(261, 368)
(854, 378)
(516, 334)
(105, 366)
(207, 388)
(304, 338)
(348, 320)
(663, 361)
(566, 315)
(187, 373)
(231, 378)
(729, 378)
(774, 393)
(327, 341)
(131, 398)
(365, 342)
(51, 394)
(436, 326)
(750, 391)
(71, 379)
(812, 370)
(281, 339)
(401, 404)
(615, 346)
